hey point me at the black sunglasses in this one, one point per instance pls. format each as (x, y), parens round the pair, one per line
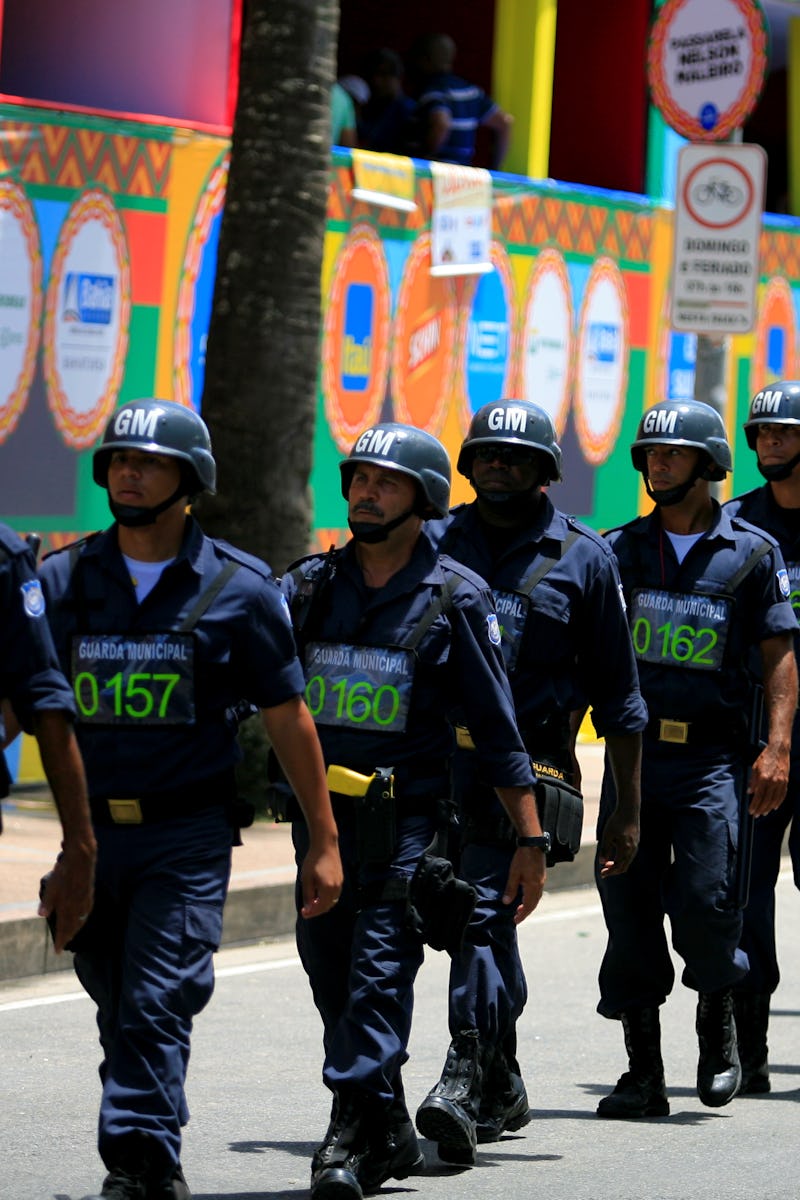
(510, 456)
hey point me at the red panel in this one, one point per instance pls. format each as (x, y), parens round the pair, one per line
(146, 233)
(599, 122)
(639, 289)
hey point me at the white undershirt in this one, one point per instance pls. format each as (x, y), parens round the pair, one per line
(145, 575)
(682, 543)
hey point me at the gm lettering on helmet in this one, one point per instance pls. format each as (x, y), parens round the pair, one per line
(768, 401)
(660, 420)
(375, 441)
(136, 422)
(505, 419)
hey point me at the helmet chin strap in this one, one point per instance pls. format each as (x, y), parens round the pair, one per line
(780, 470)
(370, 532)
(134, 516)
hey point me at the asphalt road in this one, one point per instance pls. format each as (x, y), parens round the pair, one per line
(259, 1109)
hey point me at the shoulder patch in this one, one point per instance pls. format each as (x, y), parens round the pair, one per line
(493, 629)
(33, 598)
(783, 583)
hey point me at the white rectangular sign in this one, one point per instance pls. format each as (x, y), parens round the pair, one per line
(718, 209)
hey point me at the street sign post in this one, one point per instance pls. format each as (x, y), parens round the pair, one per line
(718, 209)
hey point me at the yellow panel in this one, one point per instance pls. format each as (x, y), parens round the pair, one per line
(524, 48)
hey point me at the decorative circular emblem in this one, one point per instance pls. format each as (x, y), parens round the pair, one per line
(547, 337)
(706, 64)
(355, 344)
(602, 368)
(775, 355)
(196, 289)
(424, 342)
(487, 339)
(87, 319)
(20, 302)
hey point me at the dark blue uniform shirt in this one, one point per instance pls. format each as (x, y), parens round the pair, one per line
(759, 508)
(468, 106)
(458, 664)
(679, 679)
(574, 646)
(243, 650)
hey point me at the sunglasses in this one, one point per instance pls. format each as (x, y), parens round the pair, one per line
(509, 456)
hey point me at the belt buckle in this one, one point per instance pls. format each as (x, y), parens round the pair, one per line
(464, 738)
(125, 812)
(676, 732)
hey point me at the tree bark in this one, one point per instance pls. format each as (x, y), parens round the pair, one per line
(259, 398)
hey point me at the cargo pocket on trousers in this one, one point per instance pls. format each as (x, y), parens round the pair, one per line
(202, 936)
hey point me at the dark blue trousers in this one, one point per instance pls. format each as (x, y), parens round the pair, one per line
(487, 983)
(145, 958)
(361, 959)
(684, 869)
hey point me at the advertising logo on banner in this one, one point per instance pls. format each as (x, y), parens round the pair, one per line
(355, 344)
(461, 222)
(602, 369)
(87, 320)
(424, 341)
(384, 179)
(548, 337)
(706, 65)
(196, 290)
(20, 302)
(775, 355)
(488, 350)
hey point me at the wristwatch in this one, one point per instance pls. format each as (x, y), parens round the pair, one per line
(540, 843)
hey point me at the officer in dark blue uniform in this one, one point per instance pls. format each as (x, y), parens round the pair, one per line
(773, 432)
(38, 698)
(566, 643)
(394, 638)
(165, 634)
(704, 590)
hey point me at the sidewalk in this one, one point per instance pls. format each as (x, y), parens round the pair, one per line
(260, 904)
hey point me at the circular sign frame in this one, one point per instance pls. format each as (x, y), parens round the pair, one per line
(15, 205)
(597, 441)
(362, 242)
(550, 268)
(81, 430)
(685, 27)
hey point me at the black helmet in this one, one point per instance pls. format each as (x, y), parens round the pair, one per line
(410, 450)
(684, 423)
(160, 427)
(778, 404)
(514, 423)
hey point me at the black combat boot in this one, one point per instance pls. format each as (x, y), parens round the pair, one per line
(120, 1184)
(719, 1073)
(752, 1022)
(504, 1103)
(333, 1167)
(171, 1186)
(640, 1092)
(449, 1113)
(392, 1148)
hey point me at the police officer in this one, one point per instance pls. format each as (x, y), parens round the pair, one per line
(39, 699)
(566, 643)
(773, 432)
(704, 590)
(394, 637)
(165, 633)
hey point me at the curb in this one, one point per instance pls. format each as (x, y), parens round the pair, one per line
(257, 914)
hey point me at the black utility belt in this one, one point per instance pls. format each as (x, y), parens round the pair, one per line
(216, 792)
(697, 732)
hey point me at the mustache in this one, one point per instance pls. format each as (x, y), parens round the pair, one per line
(366, 506)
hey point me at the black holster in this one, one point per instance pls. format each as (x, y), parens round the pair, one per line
(376, 819)
(560, 807)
